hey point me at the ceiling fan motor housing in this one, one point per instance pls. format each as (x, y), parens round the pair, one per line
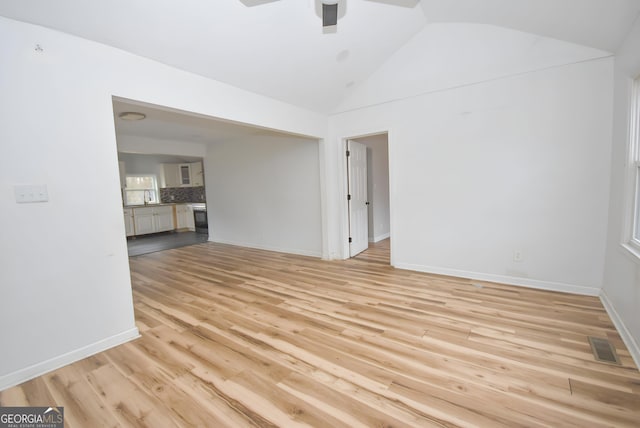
(329, 13)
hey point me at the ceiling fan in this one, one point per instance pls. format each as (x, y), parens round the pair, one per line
(330, 7)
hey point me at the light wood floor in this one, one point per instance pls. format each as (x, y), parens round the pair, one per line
(240, 337)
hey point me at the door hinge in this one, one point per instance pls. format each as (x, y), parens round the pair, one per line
(350, 240)
(348, 153)
(348, 197)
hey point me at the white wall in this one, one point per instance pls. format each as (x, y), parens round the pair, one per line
(264, 192)
(377, 185)
(621, 290)
(518, 164)
(484, 169)
(66, 291)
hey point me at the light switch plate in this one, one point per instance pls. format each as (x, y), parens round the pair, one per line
(31, 193)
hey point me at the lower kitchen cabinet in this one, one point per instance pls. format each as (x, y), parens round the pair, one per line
(164, 219)
(143, 220)
(153, 219)
(184, 217)
(128, 222)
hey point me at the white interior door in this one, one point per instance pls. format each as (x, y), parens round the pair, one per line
(357, 197)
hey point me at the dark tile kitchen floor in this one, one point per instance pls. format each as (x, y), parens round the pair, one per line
(146, 244)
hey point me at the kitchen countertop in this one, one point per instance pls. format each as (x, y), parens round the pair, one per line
(164, 204)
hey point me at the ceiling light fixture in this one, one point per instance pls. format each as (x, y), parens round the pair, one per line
(131, 115)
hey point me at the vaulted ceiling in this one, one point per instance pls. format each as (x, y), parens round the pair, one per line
(279, 48)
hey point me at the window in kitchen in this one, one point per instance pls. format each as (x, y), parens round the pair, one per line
(141, 190)
(634, 170)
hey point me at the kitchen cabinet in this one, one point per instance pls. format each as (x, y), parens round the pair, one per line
(164, 219)
(185, 174)
(197, 174)
(143, 220)
(184, 217)
(170, 175)
(182, 174)
(153, 219)
(128, 222)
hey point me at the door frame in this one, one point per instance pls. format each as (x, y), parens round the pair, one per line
(344, 190)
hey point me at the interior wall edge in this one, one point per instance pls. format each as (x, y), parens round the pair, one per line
(43, 367)
(627, 337)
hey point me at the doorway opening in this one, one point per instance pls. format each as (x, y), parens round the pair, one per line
(368, 206)
(244, 203)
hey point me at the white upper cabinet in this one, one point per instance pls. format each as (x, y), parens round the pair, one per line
(185, 174)
(182, 174)
(170, 175)
(197, 175)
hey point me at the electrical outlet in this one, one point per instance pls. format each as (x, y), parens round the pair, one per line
(518, 256)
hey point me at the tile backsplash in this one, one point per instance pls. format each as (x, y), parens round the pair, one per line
(182, 194)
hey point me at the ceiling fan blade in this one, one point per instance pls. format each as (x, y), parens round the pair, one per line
(251, 3)
(403, 3)
(329, 14)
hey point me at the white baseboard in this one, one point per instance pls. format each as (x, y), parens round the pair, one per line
(380, 237)
(296, 251)
(503, 279)
(28, 373)
(627, 338)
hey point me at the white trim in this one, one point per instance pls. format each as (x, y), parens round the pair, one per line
(344, 204)
(631, 252)
(155, 188)
(391, 145)
(627, 338)
(323, 165)
(296, 251)
(503, 279)
(380, 237)
(38, 369)
(632, 163)
(342, 183)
